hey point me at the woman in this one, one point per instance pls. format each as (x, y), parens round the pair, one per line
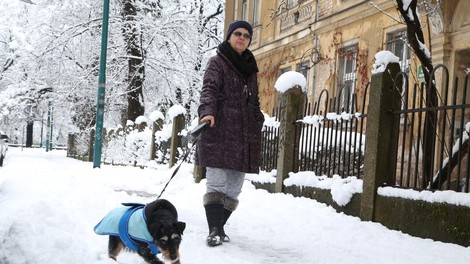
(230, 147)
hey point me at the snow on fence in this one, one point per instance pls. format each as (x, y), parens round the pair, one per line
(145, 143)
(331, 141)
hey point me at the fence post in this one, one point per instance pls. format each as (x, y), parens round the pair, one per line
(198, 173)
(90, 145)
(178, 125)
(157, 125)
(292, 109)
(381, 136)
(71, 148)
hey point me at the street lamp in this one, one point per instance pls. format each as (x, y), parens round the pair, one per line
(101, 89)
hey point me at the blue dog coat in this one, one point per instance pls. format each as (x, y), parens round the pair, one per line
(129, 224)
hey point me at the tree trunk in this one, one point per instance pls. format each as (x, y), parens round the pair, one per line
(136, 68)
(29, 134)
(416, 42)
(202, 28)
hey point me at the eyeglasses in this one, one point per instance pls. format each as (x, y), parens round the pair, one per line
(239, 34)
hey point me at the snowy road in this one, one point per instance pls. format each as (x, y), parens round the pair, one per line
(51, 203)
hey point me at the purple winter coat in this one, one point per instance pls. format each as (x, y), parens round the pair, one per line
(235, 140)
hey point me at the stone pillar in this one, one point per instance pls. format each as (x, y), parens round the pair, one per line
(71, 148)
(157, 125)
(292, 109)
(381, 137)
(178, 126)
(199, 173)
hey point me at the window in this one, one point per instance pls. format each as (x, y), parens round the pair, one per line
(244, 10)
(397, 44)
(304, 68)
(290, 4)
(256, 12)
(347, 76)
(286, 4)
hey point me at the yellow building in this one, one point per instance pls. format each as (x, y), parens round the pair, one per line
(333, 42)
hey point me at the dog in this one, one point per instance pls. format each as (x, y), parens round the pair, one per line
(146, 229)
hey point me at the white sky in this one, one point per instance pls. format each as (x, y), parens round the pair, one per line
(51, 203)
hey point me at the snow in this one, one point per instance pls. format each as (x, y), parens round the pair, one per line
(341, 189)
(289, 80)
(165, 133)
(270, 121)
(175, 111)
(142, 119)
(382, 59)
(156, 115)
(318, 119)
(406, 4)
(50, 206)
(451, 197)
(423, 47)
(313, 120)
(343, 116)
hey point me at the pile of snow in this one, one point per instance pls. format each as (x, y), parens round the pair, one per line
(290, 80)
(382, 59)
(341, 189)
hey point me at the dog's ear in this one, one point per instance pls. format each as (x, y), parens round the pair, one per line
(181, 226)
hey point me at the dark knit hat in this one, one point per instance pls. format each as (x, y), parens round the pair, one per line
(239, 24)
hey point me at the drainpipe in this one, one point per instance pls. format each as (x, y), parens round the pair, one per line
(315, 50)
(315, 58)
(317, 11)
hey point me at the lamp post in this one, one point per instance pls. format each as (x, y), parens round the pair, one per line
(101, 89)
(49, 125)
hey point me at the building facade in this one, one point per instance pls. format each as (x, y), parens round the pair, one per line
(333, 42)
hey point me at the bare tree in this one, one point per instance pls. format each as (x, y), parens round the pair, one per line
(136, 68)
(415, 36)
(156, 50)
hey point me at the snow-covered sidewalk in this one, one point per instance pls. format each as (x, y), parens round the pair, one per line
(50, 204)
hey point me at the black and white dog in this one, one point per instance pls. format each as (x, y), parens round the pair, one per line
(146, 229)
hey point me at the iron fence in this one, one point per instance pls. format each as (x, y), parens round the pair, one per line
(448, 164)
(270, 144)
(331, 138)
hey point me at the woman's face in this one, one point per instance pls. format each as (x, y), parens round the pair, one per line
(239, 40)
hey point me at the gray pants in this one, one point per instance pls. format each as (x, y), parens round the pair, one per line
(228, 182)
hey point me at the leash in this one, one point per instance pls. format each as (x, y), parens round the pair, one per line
(177, 168)
(196, 132)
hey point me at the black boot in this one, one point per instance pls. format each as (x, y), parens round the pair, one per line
(227, 214)
(214, 214)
